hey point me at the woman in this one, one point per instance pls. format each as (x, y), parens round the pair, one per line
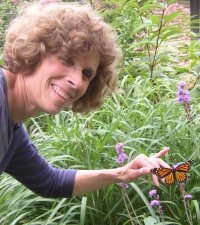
(57, 56)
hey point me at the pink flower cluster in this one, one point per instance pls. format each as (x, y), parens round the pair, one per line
(176, 7)
(44, 2)
(16, 2)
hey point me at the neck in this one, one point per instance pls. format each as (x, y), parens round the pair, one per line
(17, 97)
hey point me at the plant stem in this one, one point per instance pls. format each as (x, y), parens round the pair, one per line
(186, 211)
(123, 195)
(187, 110)
(146, 32)
(152, 65)
(91, 3)
(186, 205)
(127, 197)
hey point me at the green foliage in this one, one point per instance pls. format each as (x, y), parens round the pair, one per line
(144, 115)
(145, 32)
(8, 11)
(87, 142)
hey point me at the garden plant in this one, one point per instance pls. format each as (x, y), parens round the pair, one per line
(157, 104)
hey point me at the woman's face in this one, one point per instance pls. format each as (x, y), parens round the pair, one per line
(57, 84)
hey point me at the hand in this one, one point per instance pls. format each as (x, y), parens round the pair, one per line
(142, 165)
(90, 180)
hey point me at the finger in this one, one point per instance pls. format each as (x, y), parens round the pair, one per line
(161, 153)
(155, 163)
(161, 163)
(141, 172)
(155, 180)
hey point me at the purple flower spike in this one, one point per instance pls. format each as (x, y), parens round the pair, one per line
(121, 158)
(187, 196)
(119, 148)
(181, 84)
(153, 193)
(186, 98)
(155, 203)
(183, 95)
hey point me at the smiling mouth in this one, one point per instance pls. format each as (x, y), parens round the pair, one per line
(60, 92)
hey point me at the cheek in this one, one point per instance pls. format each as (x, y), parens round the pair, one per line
(85, 87)
(83, 91)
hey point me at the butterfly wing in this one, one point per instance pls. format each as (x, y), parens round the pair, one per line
(184, 167)
(167, 173)
(169, 179)
(177, 173)
(181, 170)
(161, 172)
(180, 177)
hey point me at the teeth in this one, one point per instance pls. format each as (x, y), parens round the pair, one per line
(60, 92)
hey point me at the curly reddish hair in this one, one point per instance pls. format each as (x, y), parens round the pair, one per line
(62, 29)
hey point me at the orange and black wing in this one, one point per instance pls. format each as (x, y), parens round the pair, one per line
(184, 167)
(161, 172)
(178, 173)
(167, 173)
(180, 177)
(169, 179)
(181, 170)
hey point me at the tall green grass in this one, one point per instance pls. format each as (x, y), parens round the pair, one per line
(87, 142)
(144, 115)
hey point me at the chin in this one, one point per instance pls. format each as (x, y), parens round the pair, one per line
(54, 109)
(53, 112)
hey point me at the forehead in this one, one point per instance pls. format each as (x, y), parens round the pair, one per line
(91, 59)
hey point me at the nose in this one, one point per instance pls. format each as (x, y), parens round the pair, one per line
(75, 80)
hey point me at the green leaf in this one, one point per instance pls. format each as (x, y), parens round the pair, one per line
(83, 210)
(19, 218)
(150, 221)
(143, 197)
(155, 19)
(54, 211)
(141, 27)
(149, 7)
(171, 16)
(197, 210)
(171, 1)
(168, 34)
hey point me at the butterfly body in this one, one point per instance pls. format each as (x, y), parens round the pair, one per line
(176, 174)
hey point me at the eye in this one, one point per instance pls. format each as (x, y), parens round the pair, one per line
(88, 75)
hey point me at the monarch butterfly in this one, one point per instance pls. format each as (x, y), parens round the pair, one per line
(176, 173)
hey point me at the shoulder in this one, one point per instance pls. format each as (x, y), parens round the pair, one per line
(2, 88)
(2, 82)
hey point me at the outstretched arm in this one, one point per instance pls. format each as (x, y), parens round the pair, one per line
(90, 180)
